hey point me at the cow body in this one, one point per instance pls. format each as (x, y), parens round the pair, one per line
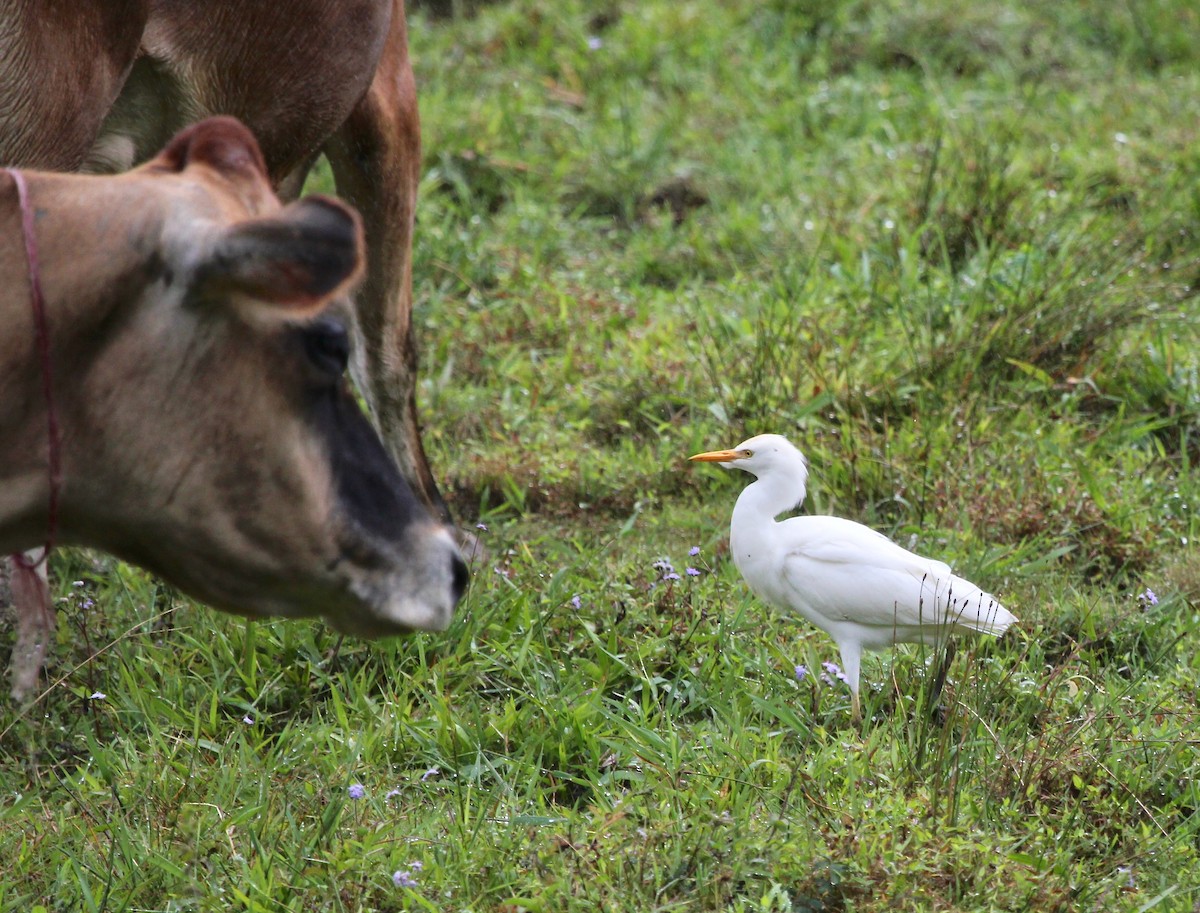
(100, 85)
(205, 428)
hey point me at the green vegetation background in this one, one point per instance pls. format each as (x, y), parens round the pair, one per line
(952, 250)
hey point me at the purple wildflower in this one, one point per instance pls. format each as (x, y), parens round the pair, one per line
(97, 696)
(832, 671)
(692, 572)
(576, 602)
(801, 672)
(403, 879)
(248, 720)
(432, 772)
(1148, 598)
(671, 576)
(594, 42)
(391, 794)
(482, 526)
(357, 790)
(694, 551)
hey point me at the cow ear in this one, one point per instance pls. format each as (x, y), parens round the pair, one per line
(224, 143)
(297, 259)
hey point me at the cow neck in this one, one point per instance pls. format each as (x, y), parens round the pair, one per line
(42, 338)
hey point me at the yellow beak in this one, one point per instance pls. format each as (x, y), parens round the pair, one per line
(716, 456)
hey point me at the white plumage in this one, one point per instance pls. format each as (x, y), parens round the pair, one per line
(850, 581)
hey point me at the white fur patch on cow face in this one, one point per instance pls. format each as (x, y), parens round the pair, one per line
(420, 597)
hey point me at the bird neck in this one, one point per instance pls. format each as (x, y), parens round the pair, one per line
(765, 499)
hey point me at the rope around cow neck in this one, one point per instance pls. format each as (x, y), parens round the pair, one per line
(42, 334)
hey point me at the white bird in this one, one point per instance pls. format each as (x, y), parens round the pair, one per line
(852, 582)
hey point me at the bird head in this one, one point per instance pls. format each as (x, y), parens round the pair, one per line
(760, 455)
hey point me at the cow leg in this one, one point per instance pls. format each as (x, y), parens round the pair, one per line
(376, 159)
(290, 188)
(35, 622)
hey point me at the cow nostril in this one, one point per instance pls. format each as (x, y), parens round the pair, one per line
(461, 575)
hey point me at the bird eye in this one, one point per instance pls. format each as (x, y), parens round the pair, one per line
(747, 453)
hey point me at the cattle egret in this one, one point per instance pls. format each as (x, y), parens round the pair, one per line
(852, 582)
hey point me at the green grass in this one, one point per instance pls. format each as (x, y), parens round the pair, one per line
(953, 254)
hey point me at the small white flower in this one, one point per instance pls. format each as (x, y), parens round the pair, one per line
(97, 696)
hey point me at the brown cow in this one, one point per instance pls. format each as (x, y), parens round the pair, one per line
(205, 427)
(99, 85)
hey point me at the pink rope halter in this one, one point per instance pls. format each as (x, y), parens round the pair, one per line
(42, 334)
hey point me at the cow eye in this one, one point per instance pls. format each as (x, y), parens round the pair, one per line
(327, 345)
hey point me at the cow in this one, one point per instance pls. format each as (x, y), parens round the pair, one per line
(100, 85)
(173, 346)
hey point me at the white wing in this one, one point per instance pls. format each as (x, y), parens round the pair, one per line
(841, 572)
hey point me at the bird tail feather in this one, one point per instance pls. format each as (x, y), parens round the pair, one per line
(972, 608)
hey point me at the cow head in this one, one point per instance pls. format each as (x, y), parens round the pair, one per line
(199, 347)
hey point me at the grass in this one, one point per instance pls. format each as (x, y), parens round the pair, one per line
(953, 255)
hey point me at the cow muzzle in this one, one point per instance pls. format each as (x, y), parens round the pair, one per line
(419, 596)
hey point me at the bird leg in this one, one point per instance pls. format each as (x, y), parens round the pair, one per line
(940, 673)
(852, 668)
